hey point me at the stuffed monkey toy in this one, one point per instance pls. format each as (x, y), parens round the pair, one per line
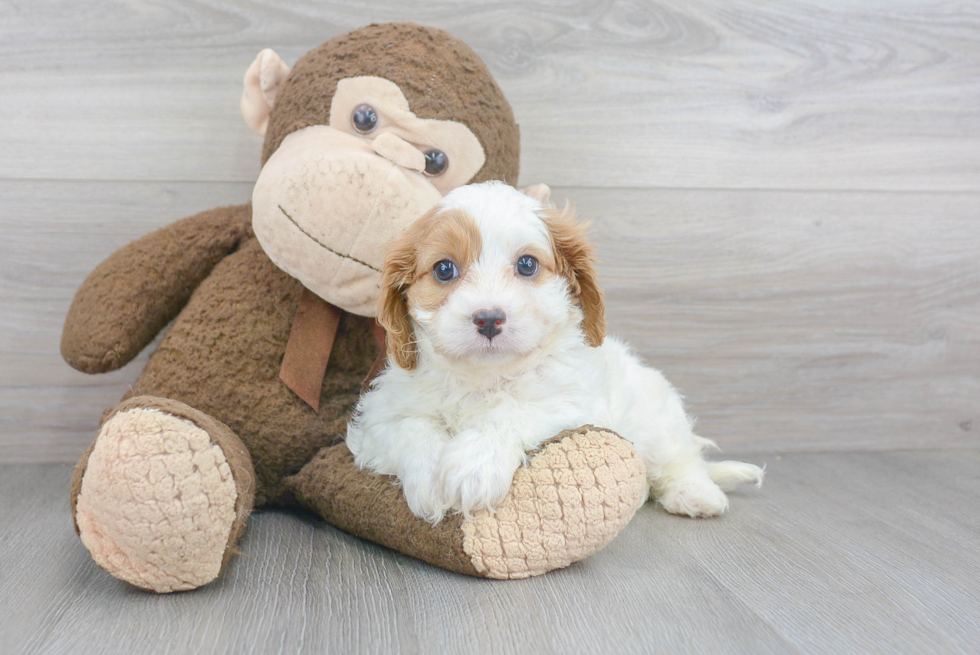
(245, 402)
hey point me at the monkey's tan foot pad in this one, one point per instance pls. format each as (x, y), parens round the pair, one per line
(573, 497)
(577, 492)
(157, 504)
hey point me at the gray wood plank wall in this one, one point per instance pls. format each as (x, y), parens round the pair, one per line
(786, 196)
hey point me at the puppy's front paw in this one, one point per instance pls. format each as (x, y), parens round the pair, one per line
(419, 490)
(473, 474)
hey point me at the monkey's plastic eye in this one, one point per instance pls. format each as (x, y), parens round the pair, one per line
(364, 119)
(527, 266)
(445, 271)
(436, 162)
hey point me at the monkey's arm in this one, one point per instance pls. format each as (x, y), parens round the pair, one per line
(138, 289)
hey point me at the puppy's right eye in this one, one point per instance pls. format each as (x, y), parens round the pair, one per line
(445, 271)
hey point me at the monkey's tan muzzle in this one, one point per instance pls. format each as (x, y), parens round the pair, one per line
(325, 206)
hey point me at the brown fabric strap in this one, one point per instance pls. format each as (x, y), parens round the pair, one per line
(311, 339)
(379, 333)
(376, 368)
(380, 360)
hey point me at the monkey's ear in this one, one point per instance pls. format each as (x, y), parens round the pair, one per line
(262, 82)
(540, 192)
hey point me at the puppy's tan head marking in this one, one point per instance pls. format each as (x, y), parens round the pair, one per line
(407, 278)
(575, 261)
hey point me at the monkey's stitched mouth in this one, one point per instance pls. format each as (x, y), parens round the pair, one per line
(322, 245)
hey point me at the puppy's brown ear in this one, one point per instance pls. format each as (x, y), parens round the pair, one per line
(397, 275)
(575, 258)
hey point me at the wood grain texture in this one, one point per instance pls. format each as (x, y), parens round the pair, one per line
(798, 321)
(791, 319)
(55, 233)
(838, 553)
(785, 200)
(877, 94)
(802, 321)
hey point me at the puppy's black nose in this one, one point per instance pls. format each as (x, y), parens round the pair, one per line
(488, 321)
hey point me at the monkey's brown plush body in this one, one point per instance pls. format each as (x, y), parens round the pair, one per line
(210, 431)
(223, 353)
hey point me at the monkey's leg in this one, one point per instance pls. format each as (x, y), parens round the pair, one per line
(575, 494)
(162, 494)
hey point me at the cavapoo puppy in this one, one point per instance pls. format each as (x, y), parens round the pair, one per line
(496, 342)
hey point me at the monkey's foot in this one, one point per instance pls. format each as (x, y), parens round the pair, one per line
(156, 501)
(572, 498)
(575, 494)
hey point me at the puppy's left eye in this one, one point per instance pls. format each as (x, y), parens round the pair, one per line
(527, 266)
(445, 271)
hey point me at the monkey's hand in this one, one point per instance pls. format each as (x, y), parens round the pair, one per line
(138, 289)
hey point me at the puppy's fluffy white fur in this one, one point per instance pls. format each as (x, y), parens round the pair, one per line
(455, 411)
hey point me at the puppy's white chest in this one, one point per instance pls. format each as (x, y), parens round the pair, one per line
(534, 407)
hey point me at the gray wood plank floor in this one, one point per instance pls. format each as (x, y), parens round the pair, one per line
(838, 553)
